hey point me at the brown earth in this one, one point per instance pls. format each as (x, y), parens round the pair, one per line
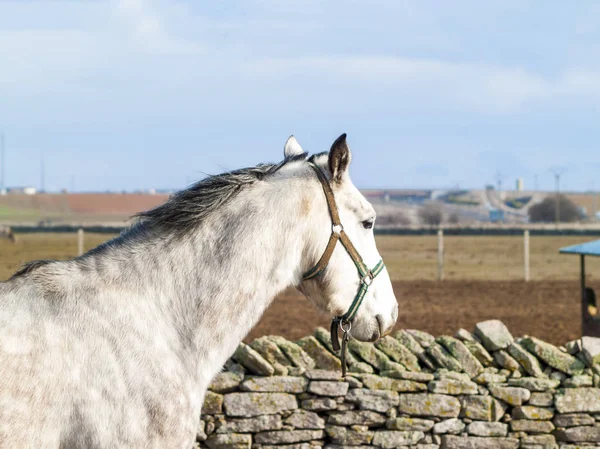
(85, 203)
(82, 207)
(546, 309)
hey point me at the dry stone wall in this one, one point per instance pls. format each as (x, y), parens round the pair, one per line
(483, 389)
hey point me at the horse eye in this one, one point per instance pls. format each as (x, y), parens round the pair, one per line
(367, 224)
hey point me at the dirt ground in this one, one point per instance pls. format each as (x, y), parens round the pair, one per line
(546, 309)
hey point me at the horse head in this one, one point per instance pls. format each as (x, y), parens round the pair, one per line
(347, 278)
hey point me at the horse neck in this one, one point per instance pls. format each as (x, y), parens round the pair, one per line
(215, 283)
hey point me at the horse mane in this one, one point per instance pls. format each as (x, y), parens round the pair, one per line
(182, 212)
(28, 267)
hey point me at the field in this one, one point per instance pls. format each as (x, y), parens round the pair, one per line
(483, 280)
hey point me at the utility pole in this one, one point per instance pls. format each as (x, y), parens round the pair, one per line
(2, 186)
(592, 213)
(42, 176)
(499, 179)
(557, 172)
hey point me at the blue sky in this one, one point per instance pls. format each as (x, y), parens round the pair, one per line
(138, 94)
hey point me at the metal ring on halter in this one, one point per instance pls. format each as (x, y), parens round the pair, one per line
(368, 279)
(345, 323)
(337, 229)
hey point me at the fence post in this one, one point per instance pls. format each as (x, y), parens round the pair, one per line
(80, 241)
(526, 254)
(440, 234)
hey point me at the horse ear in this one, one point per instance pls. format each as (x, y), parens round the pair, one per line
(292, 148)
(339, 158)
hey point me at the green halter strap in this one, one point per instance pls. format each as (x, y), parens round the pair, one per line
(343, 322)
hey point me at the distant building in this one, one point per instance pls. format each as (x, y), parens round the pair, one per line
(496, 215)
(22, 190)
(403, 196)
(519, 184)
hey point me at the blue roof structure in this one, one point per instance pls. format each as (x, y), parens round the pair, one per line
(587, 249)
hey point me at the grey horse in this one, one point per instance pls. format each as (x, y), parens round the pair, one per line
(116, 348)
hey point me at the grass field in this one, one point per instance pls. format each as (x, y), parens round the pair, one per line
(407, 258)
(482, 258)
(42, 246)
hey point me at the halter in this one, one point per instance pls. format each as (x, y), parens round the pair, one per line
(344, 322)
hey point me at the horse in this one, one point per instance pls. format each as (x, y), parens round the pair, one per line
(7, 233)
(117, 347)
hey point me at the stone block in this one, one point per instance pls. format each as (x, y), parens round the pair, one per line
(506, 361)
(470, 364)
(471, 442)
(428, 404)
(375, 382)
(528, 361)
(287, 436)
(487, 429)
(590, 347)
(249, 425)
(347, 437)
(583, 434)
(213, 403)
(525, 425)
(319, 405)
(573, 420)
(534, 384)
(252, 361)
(573, 400)
(493, 334)
(226, 382)
(511, 395)
(404, 423)
(322, 357)
(229, 441)
(542, 399)
(453, 387)
(532, 412)
(293, 352)
(423, 338)
(553, 356)
(303, 419)
(389, 439)
(328, 388)
(375, 400)
(479, 352)
(255, 404)
(356, 417)
(275, 384)
(398, 353)
(453, 426)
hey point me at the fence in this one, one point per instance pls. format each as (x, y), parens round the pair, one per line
(441, 270)
(440, 251)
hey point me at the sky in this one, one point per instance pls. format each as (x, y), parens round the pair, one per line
(136, 94)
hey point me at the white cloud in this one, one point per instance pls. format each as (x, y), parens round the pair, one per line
(141, 20)
(482, 87)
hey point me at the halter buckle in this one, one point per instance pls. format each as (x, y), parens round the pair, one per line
(337, 229)
(346, 326)
(368, 279)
